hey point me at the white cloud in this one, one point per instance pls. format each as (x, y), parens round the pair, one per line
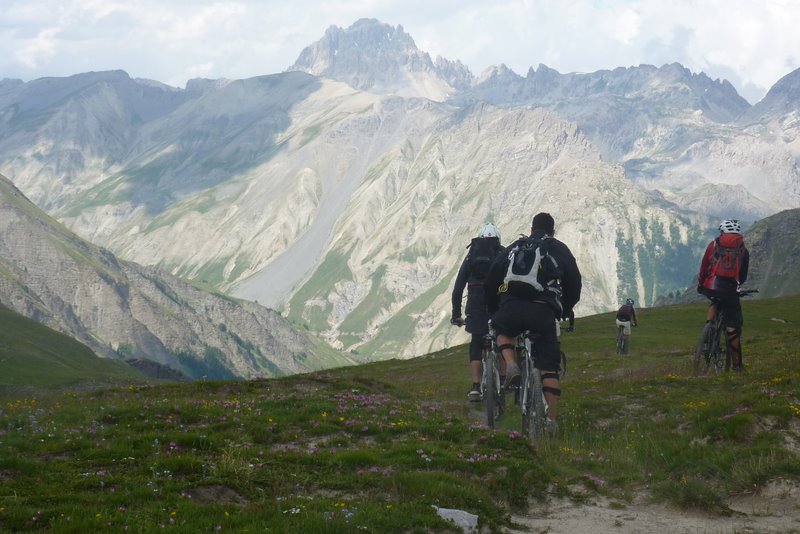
(751, 44)
(37, 50)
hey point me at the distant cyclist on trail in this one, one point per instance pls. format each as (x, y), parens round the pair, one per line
(722, 271)
(533, 298)
(482, 251)
(626, 317)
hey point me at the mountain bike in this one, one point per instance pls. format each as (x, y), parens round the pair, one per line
(491, 389)
(622, 340)
(708, 354)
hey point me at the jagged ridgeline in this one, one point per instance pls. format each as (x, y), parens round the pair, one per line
(344, 191)
(125, 311)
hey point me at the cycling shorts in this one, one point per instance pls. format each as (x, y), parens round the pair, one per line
(515, 316)
(626, 326)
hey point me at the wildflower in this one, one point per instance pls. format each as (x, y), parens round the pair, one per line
(597, 480)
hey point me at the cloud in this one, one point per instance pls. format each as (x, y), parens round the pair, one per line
(37, 50)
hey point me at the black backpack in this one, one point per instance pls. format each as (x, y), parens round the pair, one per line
(482, 251)
(625, 312)
(532, 270)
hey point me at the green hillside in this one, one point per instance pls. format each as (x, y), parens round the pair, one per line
(34, 356)
(374, 448)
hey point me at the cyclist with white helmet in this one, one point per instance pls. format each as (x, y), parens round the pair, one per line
(472, 275)
(722, 271)
(626, 317)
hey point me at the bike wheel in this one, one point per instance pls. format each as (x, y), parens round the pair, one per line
(525, 398)
(489, 387)
(702, 356)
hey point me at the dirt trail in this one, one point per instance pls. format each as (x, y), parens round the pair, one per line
(775, 509)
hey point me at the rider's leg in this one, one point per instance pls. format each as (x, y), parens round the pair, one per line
(732, 315)
(734, 347)
(552, 393)
(507, 347)
(475, 356)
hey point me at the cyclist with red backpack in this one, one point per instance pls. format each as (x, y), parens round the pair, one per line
(722, 271)
(472, 275)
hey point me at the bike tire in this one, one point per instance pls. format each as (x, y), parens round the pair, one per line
(489, 386)
(702, 355)
(525, 398)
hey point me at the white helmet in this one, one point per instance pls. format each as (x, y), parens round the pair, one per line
(489, 230)
(730, 226)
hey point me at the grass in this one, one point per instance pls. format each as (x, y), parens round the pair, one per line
(34, 356)
(371, 448)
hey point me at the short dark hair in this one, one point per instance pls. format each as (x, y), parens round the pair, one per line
(544, 221)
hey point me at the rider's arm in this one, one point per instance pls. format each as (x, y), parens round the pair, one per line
(571, 283)
(743, 268)
(458, 289)
(704, 264)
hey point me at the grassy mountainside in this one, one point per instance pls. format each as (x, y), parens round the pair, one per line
(34, 356)
(373, 448)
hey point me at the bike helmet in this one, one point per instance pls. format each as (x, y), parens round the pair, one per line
(730, 226)
(629, 301)
(489, 230)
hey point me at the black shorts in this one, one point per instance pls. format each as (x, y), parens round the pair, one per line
(515, 316)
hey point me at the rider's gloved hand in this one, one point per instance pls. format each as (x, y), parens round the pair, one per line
(456, 320)
(700, 289)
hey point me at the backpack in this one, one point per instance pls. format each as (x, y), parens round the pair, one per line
(727, 258)
(532, 269)
(482, 251)
(625, 312)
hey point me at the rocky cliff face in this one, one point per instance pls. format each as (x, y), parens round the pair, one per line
(383, 286)
(121, 309)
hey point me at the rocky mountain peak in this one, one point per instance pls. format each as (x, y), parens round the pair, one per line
(373, 56)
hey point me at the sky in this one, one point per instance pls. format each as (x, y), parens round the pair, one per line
(750, 44)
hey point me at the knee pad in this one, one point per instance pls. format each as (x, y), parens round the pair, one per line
(549, 374)
(553, 391)
(504, 346)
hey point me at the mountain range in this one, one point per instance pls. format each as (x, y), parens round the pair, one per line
(344, 191)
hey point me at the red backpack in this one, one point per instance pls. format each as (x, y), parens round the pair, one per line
(727, 259)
